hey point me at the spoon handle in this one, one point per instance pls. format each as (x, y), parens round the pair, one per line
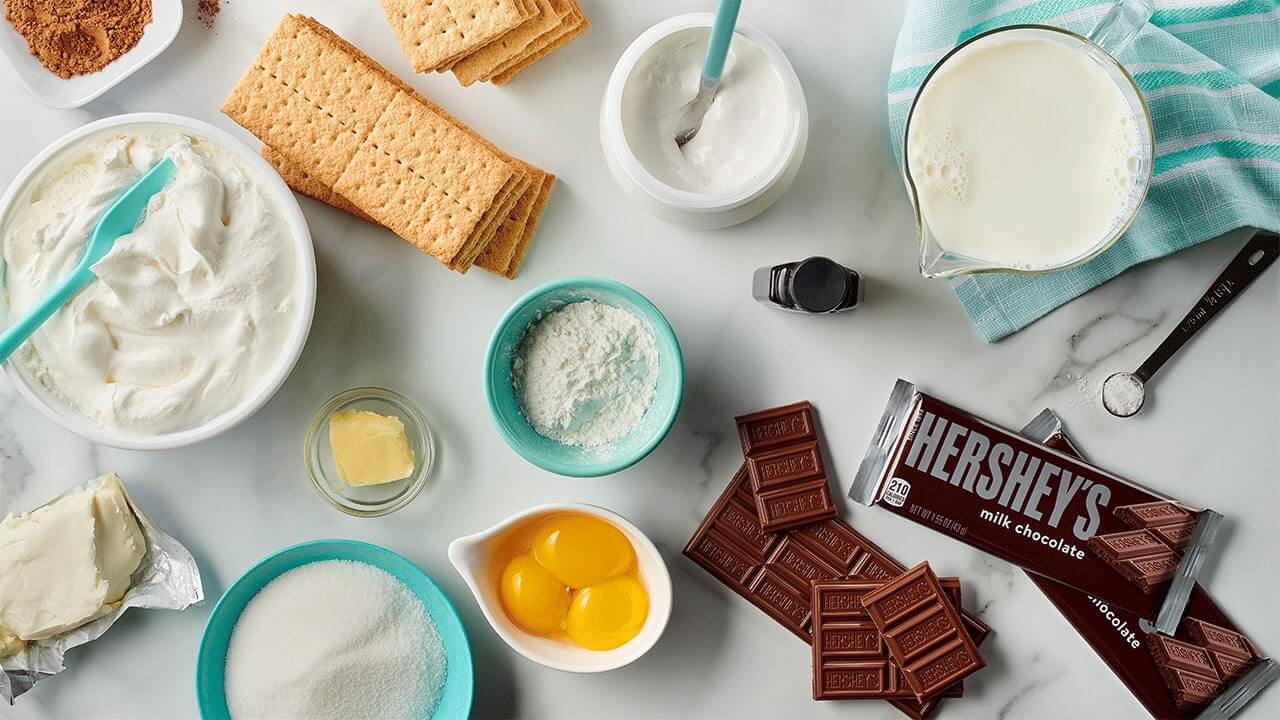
(721, 35)
(13, 336)
(1256, 256)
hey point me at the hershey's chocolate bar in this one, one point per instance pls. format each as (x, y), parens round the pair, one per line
(1038, 508)
(1167, 674)
(784, 462)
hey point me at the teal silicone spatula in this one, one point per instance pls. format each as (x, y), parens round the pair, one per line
(119, 219)
(689, 119)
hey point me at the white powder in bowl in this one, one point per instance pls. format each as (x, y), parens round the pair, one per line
(586, 373)
(334, 639)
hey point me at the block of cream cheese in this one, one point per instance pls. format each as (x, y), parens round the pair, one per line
(63, 564)
(368, 448)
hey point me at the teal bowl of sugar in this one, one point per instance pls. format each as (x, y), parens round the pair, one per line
(457, 691)
(550, 454)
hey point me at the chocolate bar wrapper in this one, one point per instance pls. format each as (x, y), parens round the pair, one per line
(1044, 510)
(168, 578)
(1140, 658)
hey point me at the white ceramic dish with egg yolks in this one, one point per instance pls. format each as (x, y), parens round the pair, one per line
(474, 558)
(68, 417)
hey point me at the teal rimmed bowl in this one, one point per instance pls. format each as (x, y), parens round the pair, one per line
(211, 696)
(549, 454)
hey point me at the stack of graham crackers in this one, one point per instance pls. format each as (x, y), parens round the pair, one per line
(344, 130)
(486, 40)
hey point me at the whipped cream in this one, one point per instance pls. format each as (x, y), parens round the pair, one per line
(741, 132)
(190, 310)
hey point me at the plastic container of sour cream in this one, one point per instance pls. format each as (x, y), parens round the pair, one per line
(741, 162)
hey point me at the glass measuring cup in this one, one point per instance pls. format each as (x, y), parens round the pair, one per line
(1116, 30)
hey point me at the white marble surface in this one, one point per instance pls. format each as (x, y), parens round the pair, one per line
(388, 315)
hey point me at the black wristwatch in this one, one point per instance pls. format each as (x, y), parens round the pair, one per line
(813, 285)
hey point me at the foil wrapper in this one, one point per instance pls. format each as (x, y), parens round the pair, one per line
(168, 578)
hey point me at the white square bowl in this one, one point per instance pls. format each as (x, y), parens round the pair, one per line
(52, 90)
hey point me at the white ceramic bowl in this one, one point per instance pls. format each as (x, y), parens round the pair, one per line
(68, 417)
(474, 558)
(50, 89)
(692, 209)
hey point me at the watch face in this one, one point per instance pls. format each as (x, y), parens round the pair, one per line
(819, 285)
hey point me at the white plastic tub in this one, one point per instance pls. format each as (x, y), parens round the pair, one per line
(693, 209)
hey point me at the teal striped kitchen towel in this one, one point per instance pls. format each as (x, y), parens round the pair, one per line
(1210, 71)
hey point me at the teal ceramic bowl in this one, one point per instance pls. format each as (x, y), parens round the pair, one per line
(455, 698)
(557, 457)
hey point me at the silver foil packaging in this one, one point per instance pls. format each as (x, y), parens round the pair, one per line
(167, 578)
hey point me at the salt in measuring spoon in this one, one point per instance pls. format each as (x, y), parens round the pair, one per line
(1123, 393)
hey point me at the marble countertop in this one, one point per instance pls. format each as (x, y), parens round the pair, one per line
(387, 315)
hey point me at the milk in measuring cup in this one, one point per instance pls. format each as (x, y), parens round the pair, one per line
(1024, 152)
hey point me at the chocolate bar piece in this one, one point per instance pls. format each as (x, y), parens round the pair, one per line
(1152, 514)
(1169, 652)
(1189, 689)
(731, 545)
(784, 460)
(1230, 668)
(772, 570)
(1177, 535)
(776, 427)
(1119, 638)
(1218, 639)
(940, 466)
(923, 632)
(1168, 521)
(850, 658)
(1138, 555)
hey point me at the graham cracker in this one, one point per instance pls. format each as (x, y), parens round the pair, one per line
(433, 31)
(571, 27)
(499, 257)
(485, 60)
(508, 235)
(517, 259)
(370, 142)
(302, 182)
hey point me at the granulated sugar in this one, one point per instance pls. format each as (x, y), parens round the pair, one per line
(586, 373)
(334, 639)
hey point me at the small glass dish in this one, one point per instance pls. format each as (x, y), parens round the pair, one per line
(369, 500)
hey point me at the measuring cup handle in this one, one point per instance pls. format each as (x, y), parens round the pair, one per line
(1121, 25)
(1255, 257)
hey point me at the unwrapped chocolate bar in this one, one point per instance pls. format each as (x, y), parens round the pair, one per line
(1045, 511)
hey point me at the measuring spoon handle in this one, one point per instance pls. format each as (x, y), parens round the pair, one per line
(1255, 257)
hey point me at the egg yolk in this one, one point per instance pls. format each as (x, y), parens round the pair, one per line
(532, 596)
(581, 550)
(607, 614)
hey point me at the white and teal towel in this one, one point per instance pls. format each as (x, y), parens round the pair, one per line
(1210, 71)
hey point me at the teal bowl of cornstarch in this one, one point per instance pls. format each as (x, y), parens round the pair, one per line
(664, 390)
(334, 628)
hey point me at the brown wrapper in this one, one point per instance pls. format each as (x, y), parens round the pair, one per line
(1207, 669)
(1046, 511)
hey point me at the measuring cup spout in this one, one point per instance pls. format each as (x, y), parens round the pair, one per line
(1121, 25)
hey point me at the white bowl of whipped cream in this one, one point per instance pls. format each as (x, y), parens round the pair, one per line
(196, 317)
(752, 140)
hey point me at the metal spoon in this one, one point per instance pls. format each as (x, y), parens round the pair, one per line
(1123, 393)
(689, 117)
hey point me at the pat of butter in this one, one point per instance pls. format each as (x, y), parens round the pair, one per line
(368, 448)
(63, 564)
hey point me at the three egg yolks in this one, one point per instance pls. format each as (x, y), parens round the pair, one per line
(577, 576)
